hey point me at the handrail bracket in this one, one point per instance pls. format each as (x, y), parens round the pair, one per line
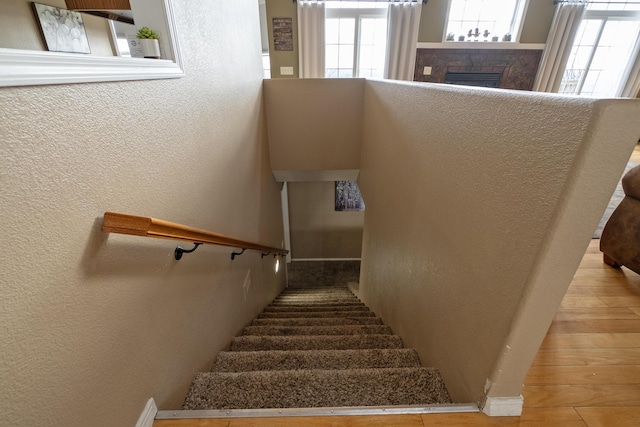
(180, 250)
(235, 254)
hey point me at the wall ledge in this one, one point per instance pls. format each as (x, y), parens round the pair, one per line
(27, 68)
(481, 45)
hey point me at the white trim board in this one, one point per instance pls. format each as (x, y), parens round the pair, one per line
(148, 414)
(25, 68)
(503, 406)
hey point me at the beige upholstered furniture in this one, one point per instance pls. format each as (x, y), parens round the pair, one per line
(620, 241)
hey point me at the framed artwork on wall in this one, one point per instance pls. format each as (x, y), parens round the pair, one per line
(62, 30)
(348, 197)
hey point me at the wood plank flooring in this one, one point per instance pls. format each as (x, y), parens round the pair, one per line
(586, 373)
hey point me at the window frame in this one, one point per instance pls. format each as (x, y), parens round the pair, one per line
(357, 14)
(604, 16)
(517, 22)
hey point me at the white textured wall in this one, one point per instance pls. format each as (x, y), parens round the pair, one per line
(94, 325)
(479, 209)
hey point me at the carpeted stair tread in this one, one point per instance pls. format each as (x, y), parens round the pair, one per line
(317, 304)
(239, 361)
(317, 296)
(301, 388)
(316, 330)
(314, 342)
(316, 346)
(308, 314)
(316, 308)
(318, 292)
(317, 321)
(324, 297)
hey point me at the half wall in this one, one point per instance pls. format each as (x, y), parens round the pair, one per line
(479, 209)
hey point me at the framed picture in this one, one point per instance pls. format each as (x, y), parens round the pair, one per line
(348, 197)
(62, 30)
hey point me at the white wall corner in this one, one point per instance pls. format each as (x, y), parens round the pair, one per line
(503, 406)
(148, 414)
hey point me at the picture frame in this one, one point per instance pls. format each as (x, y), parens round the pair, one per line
(348, 197)
(62, 30)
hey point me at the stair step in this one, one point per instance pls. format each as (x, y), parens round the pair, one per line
(316, 308)
(314, 342)
(316, 388)
(317, 321)
(328, 297)
(316, 330)
(316, 303)
(317, 294)
(239, 361)
(307, 314)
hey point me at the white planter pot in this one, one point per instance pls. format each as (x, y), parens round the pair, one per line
(150, 48)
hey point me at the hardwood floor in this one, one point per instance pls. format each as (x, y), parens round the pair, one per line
(586, 372)
(635, 156)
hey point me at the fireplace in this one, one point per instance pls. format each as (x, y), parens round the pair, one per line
(516, 67)
(473, 78)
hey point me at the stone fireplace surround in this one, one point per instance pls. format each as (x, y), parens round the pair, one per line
(518, 66)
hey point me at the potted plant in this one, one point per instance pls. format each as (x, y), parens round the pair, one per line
(148, 40)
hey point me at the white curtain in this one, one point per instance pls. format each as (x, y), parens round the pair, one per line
(564, 27)
(402, 39)
(311, 38)
(630, 87)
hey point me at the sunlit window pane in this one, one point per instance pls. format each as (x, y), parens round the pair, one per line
(331, 56)
(346, 31)
(600, 54)
(615, 5)
(355, 40)
(345, 56)
(331, 31)
(356, 4)
(497, 17)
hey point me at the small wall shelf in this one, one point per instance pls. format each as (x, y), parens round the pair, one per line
(481, 45)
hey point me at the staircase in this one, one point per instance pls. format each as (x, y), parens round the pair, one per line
(316, 347)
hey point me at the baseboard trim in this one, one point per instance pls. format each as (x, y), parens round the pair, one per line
(503, 406)
(148, 414)
(355, 288)
(318, 412)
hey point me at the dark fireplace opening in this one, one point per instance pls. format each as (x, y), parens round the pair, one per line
(474, 79)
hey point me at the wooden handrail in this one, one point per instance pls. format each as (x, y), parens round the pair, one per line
(151, 227)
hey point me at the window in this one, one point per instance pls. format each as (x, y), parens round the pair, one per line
(355, 39)
(605, 43)
(264, 37)
(477, 20)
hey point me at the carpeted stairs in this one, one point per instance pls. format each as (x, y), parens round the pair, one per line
(316, 347)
